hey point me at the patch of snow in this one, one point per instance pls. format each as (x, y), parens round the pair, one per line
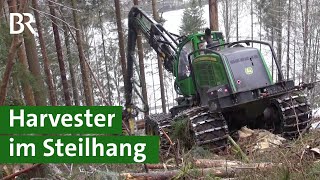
(315, 125)
(316, 112)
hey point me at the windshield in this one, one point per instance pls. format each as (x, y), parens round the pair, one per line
(183, 68)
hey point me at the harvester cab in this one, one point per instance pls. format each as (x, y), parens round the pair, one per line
(192, 46)
(223, 70)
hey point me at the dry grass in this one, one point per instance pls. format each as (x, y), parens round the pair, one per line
(294, 159)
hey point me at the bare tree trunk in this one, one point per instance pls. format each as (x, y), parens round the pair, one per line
(16, 94)
(34, 65)
(105, 61)
(213, 15)
(272, 42)
(5, 5)
(227, 21)
(166, 89)
(314, 57)
(160, 65)
(251, 13)
(1, 9)
(294, 47)
(288, 40)
(317, 58)
(305, 19)
(97, 70)
(52, 91)
(163, 97)
(154, 10)
(153, 89)
(121, 40)
(26, 87)
(308, 65)
(128, 122)
(71, 70)
(60, 55)
(279, 35)
(237, 20)
(6, 75)
(15, 43)
(141, 61)
(25, 83)
(260, 24)
(84, 69)
(116, 80)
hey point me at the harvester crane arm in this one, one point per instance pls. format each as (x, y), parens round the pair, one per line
(163, 42)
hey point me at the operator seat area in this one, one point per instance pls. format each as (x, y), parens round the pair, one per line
(209, 72)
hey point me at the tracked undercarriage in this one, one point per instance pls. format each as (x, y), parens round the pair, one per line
(210, 129)
(295, 115)
(206, 128)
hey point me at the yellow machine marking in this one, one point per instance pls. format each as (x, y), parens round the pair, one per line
(248, 70)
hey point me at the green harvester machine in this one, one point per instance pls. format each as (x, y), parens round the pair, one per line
(222, 86)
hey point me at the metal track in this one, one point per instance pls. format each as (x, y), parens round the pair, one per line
(155, 125)
(295, 114)
(209, 129)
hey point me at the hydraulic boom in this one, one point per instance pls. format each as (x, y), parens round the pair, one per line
(163, 42)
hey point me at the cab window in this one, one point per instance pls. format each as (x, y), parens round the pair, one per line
(183, 68)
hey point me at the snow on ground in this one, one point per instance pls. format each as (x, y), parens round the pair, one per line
(316, 114)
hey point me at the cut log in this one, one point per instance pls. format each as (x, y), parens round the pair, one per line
(219, 172)
(160, 166)
(208, 163)
(220, 169)
(200, 163)
(20, 172)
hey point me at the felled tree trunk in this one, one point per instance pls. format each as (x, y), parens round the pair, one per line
(202, 167)
(219, 172)
(208, 163)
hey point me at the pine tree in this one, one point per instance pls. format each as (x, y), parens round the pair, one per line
(192, 20)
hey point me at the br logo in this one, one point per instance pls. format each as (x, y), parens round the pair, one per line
(249, 70)
(20, 22)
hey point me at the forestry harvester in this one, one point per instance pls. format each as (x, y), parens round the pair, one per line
(223, 86)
